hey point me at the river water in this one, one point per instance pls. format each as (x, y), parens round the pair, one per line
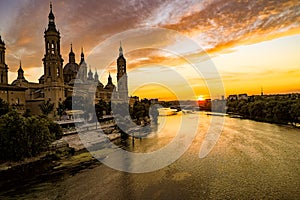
(250, 160)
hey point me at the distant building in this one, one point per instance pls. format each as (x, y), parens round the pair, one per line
(243, 97)
(133, 100)
(14, 95)
(232, 97)
(154, 101)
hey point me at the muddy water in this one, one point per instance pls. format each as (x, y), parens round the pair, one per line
(251, 160)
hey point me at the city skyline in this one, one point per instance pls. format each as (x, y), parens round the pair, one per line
(249, 53)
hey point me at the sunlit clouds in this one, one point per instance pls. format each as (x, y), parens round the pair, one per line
(251, 43)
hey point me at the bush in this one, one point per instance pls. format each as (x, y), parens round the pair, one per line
(56, 130)
(22, 137)
(4, 108)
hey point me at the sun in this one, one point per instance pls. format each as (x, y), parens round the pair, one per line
(200, 98)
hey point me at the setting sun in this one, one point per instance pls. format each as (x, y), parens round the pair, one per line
(200, 98)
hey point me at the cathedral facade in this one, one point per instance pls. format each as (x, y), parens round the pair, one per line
(57, 82)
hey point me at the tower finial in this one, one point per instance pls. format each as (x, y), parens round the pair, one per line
(20, 64)
(51, 16)
(82, 55)
(71, 47)
(120, 49)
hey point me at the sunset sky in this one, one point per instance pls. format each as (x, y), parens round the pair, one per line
(251, 43)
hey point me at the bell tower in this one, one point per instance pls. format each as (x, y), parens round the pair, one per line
(82, 67)
(122, 76)
(3, 66)
(53, 63)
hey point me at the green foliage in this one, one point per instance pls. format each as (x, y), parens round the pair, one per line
(39, 136)
(274, 110)
(140, 109)
(46, 107)
(22, 137)
(61, 109)
(295, 112)
(13, 138)
(27, 113)
(101, 107)
(56, 130)
(4, 108)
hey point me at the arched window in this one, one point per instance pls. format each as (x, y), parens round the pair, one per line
(52, 48)
(58, 72)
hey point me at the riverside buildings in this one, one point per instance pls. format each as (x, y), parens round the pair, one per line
(57, 82)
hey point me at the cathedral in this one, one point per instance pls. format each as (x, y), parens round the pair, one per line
(58, 81)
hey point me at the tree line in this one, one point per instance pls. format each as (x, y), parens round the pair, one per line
(24, 136)
(271, 109)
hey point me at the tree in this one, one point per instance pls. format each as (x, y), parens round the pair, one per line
(46, 107)
(22, 137)
(13, 137)
(27, 113)
(256, 110)
(295, 113)
(61, 109)
(281, 112)
(68, 103)
(55, 129)
(101, 107)
(39, 135)
(4, 107)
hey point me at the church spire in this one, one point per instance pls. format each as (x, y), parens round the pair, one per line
(96, 75)
(82, 55)
(20, 72)
(90, 74)
(120, 50)
(51, 25)
(71, 55)
(109, 81)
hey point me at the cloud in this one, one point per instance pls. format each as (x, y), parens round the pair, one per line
(226, 23)
(217, 25)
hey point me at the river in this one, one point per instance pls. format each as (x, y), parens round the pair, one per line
(250, 160)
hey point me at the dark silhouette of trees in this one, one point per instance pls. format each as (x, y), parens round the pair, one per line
(4, 108)
(295, 113)
(61, 110)
(22, 137)
(46, 107)
(274, 110)
(102, 107)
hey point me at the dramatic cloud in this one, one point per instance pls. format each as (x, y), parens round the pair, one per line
(225, 23)
(218, 26)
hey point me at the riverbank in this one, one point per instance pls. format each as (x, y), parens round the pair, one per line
(66, 157)
(288, 124)
(51, 166)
